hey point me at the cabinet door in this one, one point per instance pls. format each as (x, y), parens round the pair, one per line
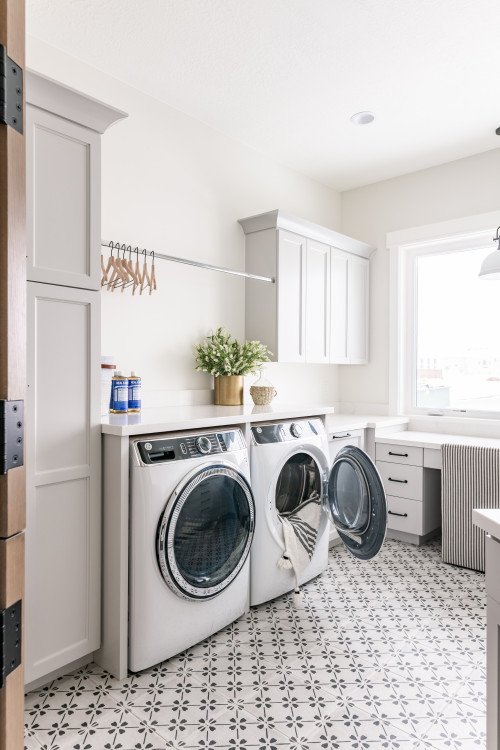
(291, 289)
(357, 310)
(63, 201)
(317, 308)
(62, 613)
(338, 323)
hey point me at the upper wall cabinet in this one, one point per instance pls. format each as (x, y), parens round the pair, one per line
(349, 311)
(317, 311)
(64, 183)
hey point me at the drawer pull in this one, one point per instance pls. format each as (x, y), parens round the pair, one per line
(400, 481)
(402, 515)
(401, 455)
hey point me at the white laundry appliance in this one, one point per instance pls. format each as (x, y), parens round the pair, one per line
(290, 463)
(191, 527)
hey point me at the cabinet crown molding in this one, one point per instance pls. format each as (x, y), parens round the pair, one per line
(278, 220)
(62, 100)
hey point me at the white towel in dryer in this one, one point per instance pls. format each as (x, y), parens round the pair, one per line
(300, 531)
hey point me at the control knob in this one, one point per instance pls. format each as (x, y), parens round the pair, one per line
(296, 430)
(203, 444)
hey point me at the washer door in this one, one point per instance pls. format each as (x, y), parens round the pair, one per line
(357, 502)
(299, 480)
(205, 532)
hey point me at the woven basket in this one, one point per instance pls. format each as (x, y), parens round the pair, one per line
(262, 395)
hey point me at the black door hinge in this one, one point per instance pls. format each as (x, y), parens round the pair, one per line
(11, 92)
(10, 640)
(11, 435)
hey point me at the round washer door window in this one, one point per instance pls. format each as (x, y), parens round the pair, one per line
(205, 533)
(299, 480)
(357, 502)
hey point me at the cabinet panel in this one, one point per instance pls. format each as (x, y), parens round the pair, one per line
(63, 201)
(405, 481)
(59, 593)
(400, 454)
(357, 310)
(405, 515)
(291, 297)
(62, 612)
(338, 323)
(317, 309)
(61, 383)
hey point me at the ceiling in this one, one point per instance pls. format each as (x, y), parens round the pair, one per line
(284, 76)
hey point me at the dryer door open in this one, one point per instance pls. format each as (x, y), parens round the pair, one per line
(357, 502)
(205, 532)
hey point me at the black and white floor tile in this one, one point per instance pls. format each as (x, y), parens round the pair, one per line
(385, 654)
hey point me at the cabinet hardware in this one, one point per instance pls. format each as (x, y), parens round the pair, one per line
(401, 455)
(11, 435)
(400, 481)
(11, 92)
(402, 515)
(10, 640)
(341, 437)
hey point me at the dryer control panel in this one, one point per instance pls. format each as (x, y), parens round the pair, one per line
(165, 448)
(282, 432)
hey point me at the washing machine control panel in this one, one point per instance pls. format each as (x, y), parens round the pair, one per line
(282, 432)
(165, 448)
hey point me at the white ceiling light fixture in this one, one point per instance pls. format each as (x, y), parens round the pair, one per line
(490, 268)
(362, 118)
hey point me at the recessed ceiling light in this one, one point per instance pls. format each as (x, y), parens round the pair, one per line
(362, 118)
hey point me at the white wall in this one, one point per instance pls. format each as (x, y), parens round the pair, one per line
(172, 183)
(450, 191)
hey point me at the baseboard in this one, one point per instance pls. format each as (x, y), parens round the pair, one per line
(61, 672)
(403, 536)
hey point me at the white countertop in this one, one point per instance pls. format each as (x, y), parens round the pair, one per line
(487, 519)
(435, 439)
(173, 418)
(343, 422)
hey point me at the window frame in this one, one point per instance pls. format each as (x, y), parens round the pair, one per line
(404, 249)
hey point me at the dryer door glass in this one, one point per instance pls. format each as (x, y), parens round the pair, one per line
(357, 502)
(205, 533)
(299, 480)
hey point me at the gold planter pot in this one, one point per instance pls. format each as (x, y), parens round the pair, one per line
(228, 390)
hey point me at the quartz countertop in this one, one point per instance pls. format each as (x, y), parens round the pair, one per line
(343, 422)
(435, 439)
(487, 519)
(173, 418)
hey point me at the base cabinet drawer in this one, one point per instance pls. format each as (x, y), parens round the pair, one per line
(400, 454)
(405, 515)
(400, 480)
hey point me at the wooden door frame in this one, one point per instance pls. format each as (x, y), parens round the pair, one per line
(12, 364)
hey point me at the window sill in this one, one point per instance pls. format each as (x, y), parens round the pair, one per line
(472, 426)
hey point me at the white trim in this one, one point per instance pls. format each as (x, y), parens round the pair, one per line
(404, 246)
(46, 93)
(278, 220)
(444, 230)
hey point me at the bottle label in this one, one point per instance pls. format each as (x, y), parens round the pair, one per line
(134, 393)
(119, 395)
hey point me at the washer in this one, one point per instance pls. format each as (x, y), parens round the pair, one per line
(191, 527)
(289, 462)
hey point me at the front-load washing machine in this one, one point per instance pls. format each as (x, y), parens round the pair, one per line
(191, 527)
(290, 464)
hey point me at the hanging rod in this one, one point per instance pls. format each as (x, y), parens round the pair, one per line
(196, 263)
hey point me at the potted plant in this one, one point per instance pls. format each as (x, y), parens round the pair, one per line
(229, 361)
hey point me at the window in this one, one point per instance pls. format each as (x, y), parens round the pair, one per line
(452, 332)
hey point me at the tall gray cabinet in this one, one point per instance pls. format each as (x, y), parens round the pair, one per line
(63, 457)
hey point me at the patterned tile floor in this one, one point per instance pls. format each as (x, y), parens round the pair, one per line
(385, 654)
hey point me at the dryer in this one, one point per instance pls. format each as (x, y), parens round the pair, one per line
(191, 527)
(290, 462)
